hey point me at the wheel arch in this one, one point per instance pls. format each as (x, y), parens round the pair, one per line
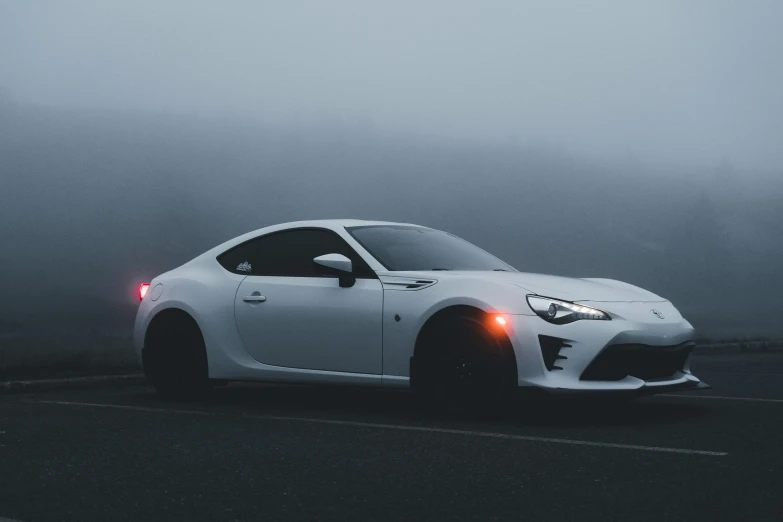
(168, 306)
(448, 315)
(173, 314)
(168, 319)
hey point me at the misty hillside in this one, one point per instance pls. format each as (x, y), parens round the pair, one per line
(92, 203)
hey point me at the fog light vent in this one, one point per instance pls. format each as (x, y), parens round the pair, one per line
(550, 351)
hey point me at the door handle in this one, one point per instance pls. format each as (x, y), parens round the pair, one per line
(254, 298)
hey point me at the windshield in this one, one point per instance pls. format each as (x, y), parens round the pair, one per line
(401, 248)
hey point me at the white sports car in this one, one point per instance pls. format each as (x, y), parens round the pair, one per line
(399, 305)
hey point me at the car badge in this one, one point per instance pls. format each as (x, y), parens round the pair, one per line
(657, 314)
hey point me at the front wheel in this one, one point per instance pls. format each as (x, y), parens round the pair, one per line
(466, 368)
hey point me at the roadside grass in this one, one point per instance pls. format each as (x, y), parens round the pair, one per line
(707, 346)
(25, 357)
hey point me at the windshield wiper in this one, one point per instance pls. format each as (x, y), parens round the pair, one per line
(501, 270)
(440, 269)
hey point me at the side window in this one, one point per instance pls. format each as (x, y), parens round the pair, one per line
(291, 253)
(239, 259)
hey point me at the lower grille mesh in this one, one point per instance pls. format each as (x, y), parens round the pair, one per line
(645, 362)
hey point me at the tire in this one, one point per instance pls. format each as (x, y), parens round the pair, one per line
(465, 369)
(175, 358)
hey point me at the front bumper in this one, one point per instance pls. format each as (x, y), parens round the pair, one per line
(635, 352)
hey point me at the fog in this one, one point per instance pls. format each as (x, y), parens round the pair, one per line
(633, 140)
(674, 81)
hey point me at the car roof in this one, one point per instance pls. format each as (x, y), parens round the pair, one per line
(327, 223)
(318, 223)
(339, 223)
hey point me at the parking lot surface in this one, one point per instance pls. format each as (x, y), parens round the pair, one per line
(298, 453)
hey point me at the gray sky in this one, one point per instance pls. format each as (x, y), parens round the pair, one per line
(691, 81)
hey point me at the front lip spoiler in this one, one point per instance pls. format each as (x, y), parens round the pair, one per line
(639, 392)
(684, 386)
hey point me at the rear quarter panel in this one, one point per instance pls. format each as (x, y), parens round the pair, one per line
(206, 291)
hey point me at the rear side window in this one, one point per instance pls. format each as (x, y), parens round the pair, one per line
(290, 253)
(239, 259)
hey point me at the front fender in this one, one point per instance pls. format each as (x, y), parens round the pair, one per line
(406, 311)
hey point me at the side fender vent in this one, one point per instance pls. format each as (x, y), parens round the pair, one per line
(405, 283)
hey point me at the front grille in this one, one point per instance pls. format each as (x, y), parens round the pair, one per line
(645, 362)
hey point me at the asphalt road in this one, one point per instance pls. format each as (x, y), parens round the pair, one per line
(289, 453)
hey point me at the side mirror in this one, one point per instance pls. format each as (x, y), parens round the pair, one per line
(336, 265)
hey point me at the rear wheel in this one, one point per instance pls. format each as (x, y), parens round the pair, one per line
(175, 357)
(465, 367)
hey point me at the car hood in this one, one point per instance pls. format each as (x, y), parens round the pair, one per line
(558, 287)
(574, 289)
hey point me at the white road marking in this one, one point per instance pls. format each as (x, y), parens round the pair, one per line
(8, 520)
(425, 429)
(123, 407)
(689, 396)
(751, 374)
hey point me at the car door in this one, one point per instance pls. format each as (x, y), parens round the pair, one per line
(289, 315)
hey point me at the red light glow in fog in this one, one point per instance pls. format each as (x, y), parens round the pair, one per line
(143, 290)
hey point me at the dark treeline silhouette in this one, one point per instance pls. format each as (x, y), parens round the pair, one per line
(92, 203)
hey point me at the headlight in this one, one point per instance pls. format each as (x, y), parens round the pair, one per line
(563, 312)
